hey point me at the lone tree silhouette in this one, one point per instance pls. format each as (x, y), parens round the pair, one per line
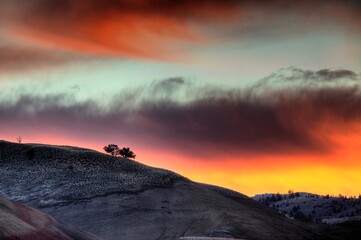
(112, 148)
(126, 153)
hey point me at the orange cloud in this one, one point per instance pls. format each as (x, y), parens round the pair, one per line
(142, 29)
(162, 30)
(151, 29)
(126, 35)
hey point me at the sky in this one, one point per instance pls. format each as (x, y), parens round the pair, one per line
(256, 96)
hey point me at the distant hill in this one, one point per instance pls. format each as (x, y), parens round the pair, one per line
(117, 198)
(313, 207)
(18, 222)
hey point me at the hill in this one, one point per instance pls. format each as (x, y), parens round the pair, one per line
(116, 198)
(23, 223)
(313, 207)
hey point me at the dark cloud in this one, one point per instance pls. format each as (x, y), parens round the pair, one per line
(187, 8)
(254, 15)
(293, 74)
(167, 88)
(329, 75)
(168, 85)
(233, 121)
(90, 8)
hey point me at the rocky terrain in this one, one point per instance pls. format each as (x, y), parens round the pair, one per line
(23, 223)
(316, 208)
(116, 198)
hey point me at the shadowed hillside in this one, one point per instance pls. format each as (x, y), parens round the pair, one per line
(116, 198)
(23, 223)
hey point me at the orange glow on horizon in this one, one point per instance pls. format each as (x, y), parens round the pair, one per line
(336, 173)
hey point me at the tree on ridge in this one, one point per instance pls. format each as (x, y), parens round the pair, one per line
(112, 149)
(126, 153)
(115, 151)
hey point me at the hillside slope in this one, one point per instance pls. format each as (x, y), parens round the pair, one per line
(116, 198)
(23, 223)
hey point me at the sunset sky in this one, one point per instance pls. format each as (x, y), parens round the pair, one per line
(256, 96)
